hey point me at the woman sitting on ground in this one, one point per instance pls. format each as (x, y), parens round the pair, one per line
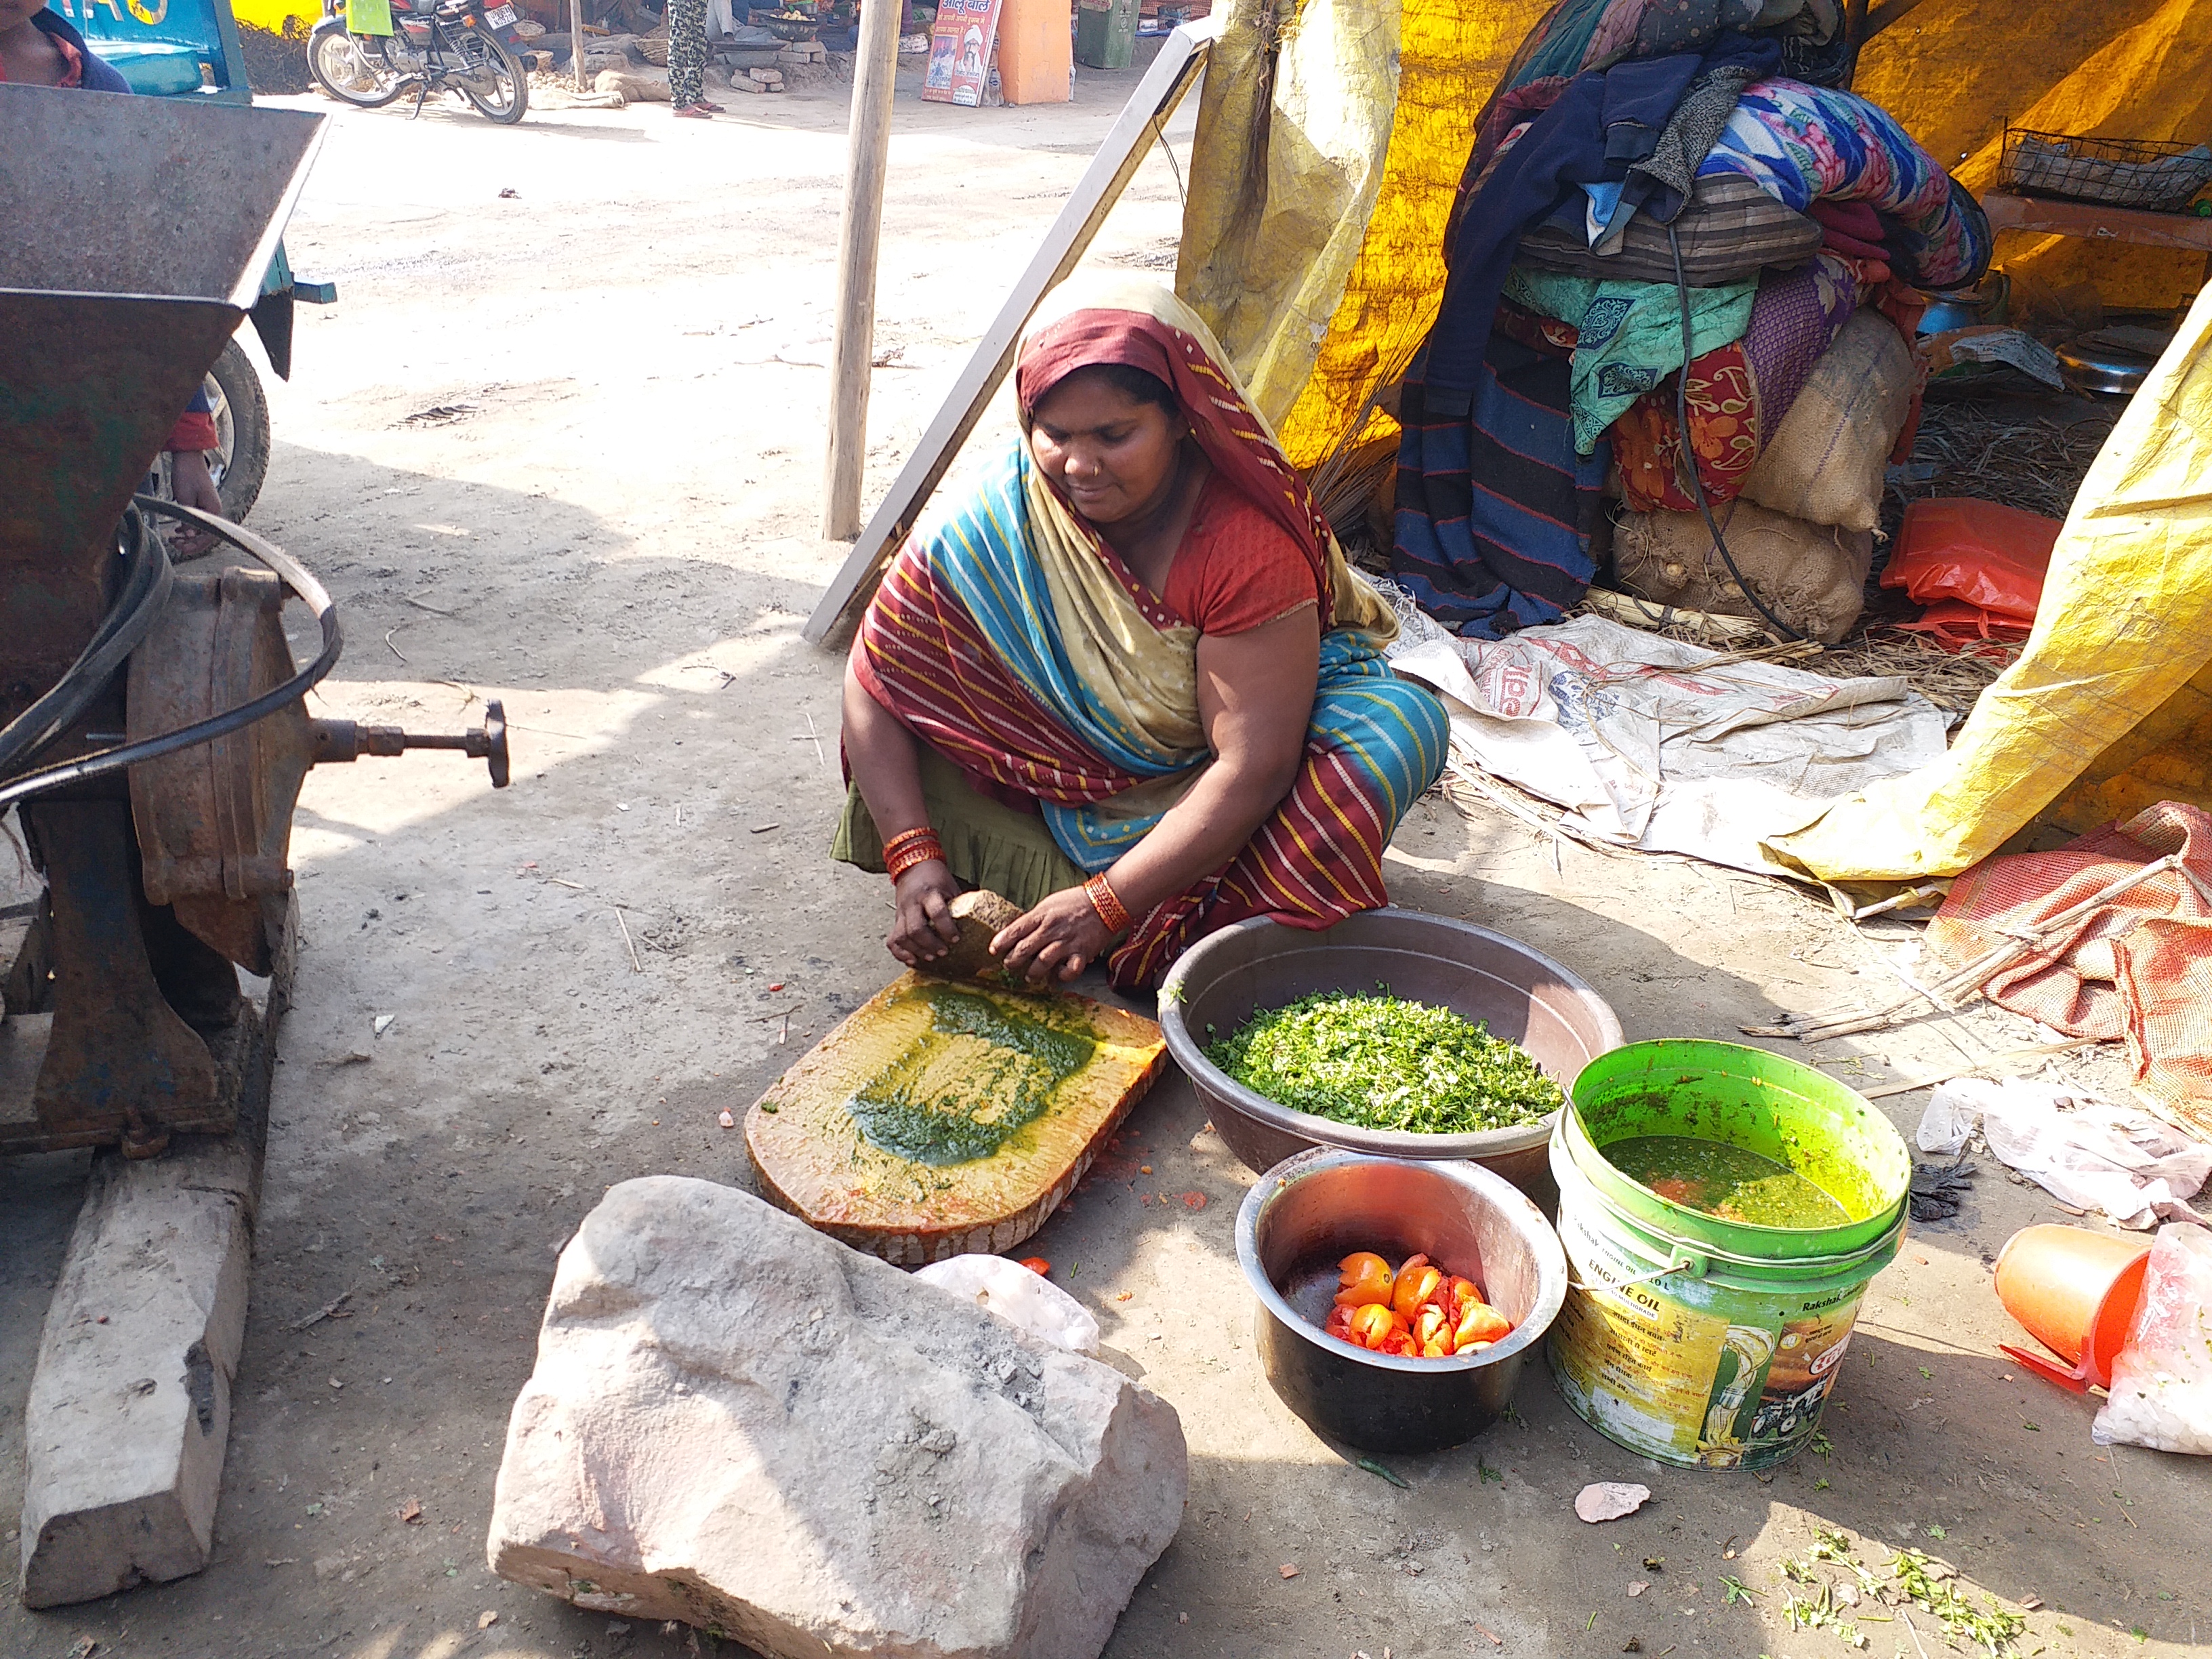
(1129, 682)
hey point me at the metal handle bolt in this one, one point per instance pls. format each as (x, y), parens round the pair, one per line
(349, 740)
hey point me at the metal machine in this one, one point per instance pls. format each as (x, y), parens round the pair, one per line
(153, 734)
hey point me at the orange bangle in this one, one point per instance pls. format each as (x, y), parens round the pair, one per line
(911, 849)
(907, 837)
(1103, 899)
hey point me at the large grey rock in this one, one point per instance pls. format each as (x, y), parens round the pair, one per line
(130, 1408)
(738, 1422)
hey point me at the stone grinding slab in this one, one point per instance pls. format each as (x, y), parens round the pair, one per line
(940, 1119)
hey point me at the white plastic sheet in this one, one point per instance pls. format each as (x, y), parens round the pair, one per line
(1653, 745)
(1019, 1297)
(2082, 1151)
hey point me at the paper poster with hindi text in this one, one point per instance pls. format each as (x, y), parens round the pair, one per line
(960, 50)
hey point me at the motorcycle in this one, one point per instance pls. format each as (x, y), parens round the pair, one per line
(435, 45)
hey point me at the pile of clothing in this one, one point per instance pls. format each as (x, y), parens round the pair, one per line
(1675, 237)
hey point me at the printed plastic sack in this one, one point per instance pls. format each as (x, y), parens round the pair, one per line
(1019, 1297)
(1982, 553)
(2162, 1392)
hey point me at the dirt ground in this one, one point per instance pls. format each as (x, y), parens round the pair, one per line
(560, 443)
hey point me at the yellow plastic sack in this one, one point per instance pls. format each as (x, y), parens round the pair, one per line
(2109, 708)
(1369, 116)
(1291, 131)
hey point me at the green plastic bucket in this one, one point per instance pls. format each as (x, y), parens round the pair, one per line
(1703, 1342)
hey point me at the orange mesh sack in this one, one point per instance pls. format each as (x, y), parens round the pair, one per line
(2137, 966)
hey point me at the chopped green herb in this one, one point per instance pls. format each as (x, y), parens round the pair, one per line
(1374, 1468)
(1383, 1062)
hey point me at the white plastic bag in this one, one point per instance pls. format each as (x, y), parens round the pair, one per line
(1019, 1297)
(2162, 1392)
(2083, 1151)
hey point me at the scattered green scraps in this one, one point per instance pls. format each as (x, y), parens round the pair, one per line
(1913, 1579)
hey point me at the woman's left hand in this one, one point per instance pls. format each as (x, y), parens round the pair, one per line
(1058, 940)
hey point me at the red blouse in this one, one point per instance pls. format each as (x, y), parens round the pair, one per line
(1237, 569)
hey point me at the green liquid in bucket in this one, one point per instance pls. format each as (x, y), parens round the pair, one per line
(1720, 1179)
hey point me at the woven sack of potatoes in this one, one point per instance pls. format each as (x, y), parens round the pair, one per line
(1813, 576)
(1826, 462)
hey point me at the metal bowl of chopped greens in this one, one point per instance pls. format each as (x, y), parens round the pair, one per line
(1393, 1032)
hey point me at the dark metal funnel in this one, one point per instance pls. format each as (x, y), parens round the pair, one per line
(138, 231)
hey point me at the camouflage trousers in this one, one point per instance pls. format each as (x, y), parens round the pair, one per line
(687, 51)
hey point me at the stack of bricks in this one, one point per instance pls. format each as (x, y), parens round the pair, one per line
(757, 80)
(800, 54)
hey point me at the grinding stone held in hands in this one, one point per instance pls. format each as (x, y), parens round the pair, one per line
(981, 914)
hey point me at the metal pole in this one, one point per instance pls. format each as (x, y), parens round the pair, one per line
(875, 74)
(576, 40)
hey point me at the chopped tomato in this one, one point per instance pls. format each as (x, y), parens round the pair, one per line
(1400, 1343)
(1365, 1277)
(1432, 1328)
(1416, 1283)
(1339, 1325)
(1481, 1323)
(1372, 1324)
(1037, 1265)
(1454, 1294)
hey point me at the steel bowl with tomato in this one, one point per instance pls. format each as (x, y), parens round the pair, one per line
(1306, 1216)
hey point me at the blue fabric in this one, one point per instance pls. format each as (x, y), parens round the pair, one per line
(99, 76)
(982, 550)
(1601, 123)
(1389, 730)
(1495, 508)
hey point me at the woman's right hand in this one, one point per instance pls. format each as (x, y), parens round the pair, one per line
(925, 929)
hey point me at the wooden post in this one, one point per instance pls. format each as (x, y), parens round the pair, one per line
(875, 74)
(576, 42)
(1182, 57)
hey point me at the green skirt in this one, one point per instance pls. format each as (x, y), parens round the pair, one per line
(986, 843)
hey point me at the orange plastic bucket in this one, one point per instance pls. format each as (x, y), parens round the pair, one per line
(2075, 1292)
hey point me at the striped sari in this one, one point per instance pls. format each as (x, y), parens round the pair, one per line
(1009, 637)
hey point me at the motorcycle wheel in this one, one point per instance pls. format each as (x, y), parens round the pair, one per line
(241, 462)
(351, 71)
(493, 79)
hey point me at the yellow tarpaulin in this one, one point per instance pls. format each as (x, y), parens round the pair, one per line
(1294, 125)
(2109, 708)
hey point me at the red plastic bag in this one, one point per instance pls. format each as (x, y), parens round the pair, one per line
(1984, 555)
(1955, 625)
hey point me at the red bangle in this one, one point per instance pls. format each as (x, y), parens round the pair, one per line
(907, 838)
(901, 853)
(1101, 894)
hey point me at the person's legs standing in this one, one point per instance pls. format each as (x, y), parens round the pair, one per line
(687, 55)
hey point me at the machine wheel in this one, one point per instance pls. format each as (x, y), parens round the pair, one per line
(497, 84)
(240, 462)
(351, 71)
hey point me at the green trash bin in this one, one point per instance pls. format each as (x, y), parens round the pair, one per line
(1106, 34)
